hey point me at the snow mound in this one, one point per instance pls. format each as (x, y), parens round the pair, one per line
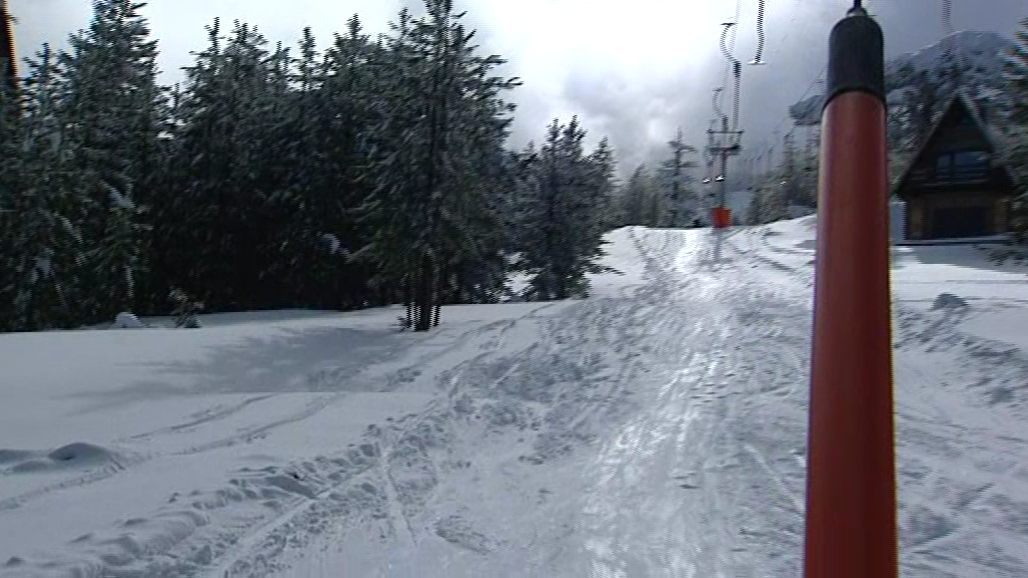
(73, 455)
(922, 526)
(80, 451)
(291, 484)
(458, 532)
(949, 301)
(125, 320)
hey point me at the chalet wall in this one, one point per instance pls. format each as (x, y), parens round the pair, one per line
(915, 218)
(921, 207)
(1001, 223)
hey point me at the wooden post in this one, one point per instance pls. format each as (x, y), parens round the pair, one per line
(8, 60)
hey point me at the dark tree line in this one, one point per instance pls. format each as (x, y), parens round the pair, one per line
(666, 196)
(370, 173)
(793, 183)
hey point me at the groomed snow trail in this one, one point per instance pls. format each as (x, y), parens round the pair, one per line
(655, 430)
(705, 479)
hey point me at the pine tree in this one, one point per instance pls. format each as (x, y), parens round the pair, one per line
(755, 208)
(222, 232)
(357, 74)
(796, 176)
(110, 104)
(563, 208)
(682, 203)
(11, 133)
(12, 216)
(776, 203)
(807, 180)
(635, 197)
(264, 206)
(40, 242)
(309, 254)
(443, 124)
(513, 179)
(1016, 72)
(769, 202)
(603, 187)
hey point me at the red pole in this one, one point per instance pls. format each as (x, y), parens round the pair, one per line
(851, 476)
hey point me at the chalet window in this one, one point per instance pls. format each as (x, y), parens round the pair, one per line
(961, 166)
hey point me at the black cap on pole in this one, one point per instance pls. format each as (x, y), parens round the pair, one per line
(855, 56)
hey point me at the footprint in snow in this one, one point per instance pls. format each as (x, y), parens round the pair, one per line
(687, 481)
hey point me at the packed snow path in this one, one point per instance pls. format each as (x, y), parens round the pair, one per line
(655, 429)
(703, 479)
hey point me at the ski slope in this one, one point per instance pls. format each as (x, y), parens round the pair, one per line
(654, 429)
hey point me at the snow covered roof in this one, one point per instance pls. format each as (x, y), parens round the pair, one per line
(996, 139)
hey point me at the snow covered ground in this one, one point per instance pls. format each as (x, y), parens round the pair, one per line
(654, 429)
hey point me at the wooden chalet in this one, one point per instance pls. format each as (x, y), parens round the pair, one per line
(957, 185)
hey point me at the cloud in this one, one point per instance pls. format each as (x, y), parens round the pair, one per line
(633, 71)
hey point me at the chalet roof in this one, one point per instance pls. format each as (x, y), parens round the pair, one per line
(997, 140)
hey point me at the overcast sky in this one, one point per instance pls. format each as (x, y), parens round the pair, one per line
(632, 70)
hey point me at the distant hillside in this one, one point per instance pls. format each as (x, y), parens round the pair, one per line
(982, 52)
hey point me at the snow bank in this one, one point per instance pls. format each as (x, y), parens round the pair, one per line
(949, 301)
(126, 320)
(73, 455)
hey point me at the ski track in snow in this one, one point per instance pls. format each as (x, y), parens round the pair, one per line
(675, 493)
(658, 430)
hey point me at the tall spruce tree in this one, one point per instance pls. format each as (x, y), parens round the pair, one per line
(1016, 72)
(109, 106)
(635, 197)
(41, 244)
(309, 253)
(223, 221)
(355, 75)
(769, 203)
(443, 125)
(755, 208)
(604, 187)
(564, 209)
(681, 201)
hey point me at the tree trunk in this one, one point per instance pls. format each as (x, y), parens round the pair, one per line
(436, 298)
(408, 300)
(424, 299)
